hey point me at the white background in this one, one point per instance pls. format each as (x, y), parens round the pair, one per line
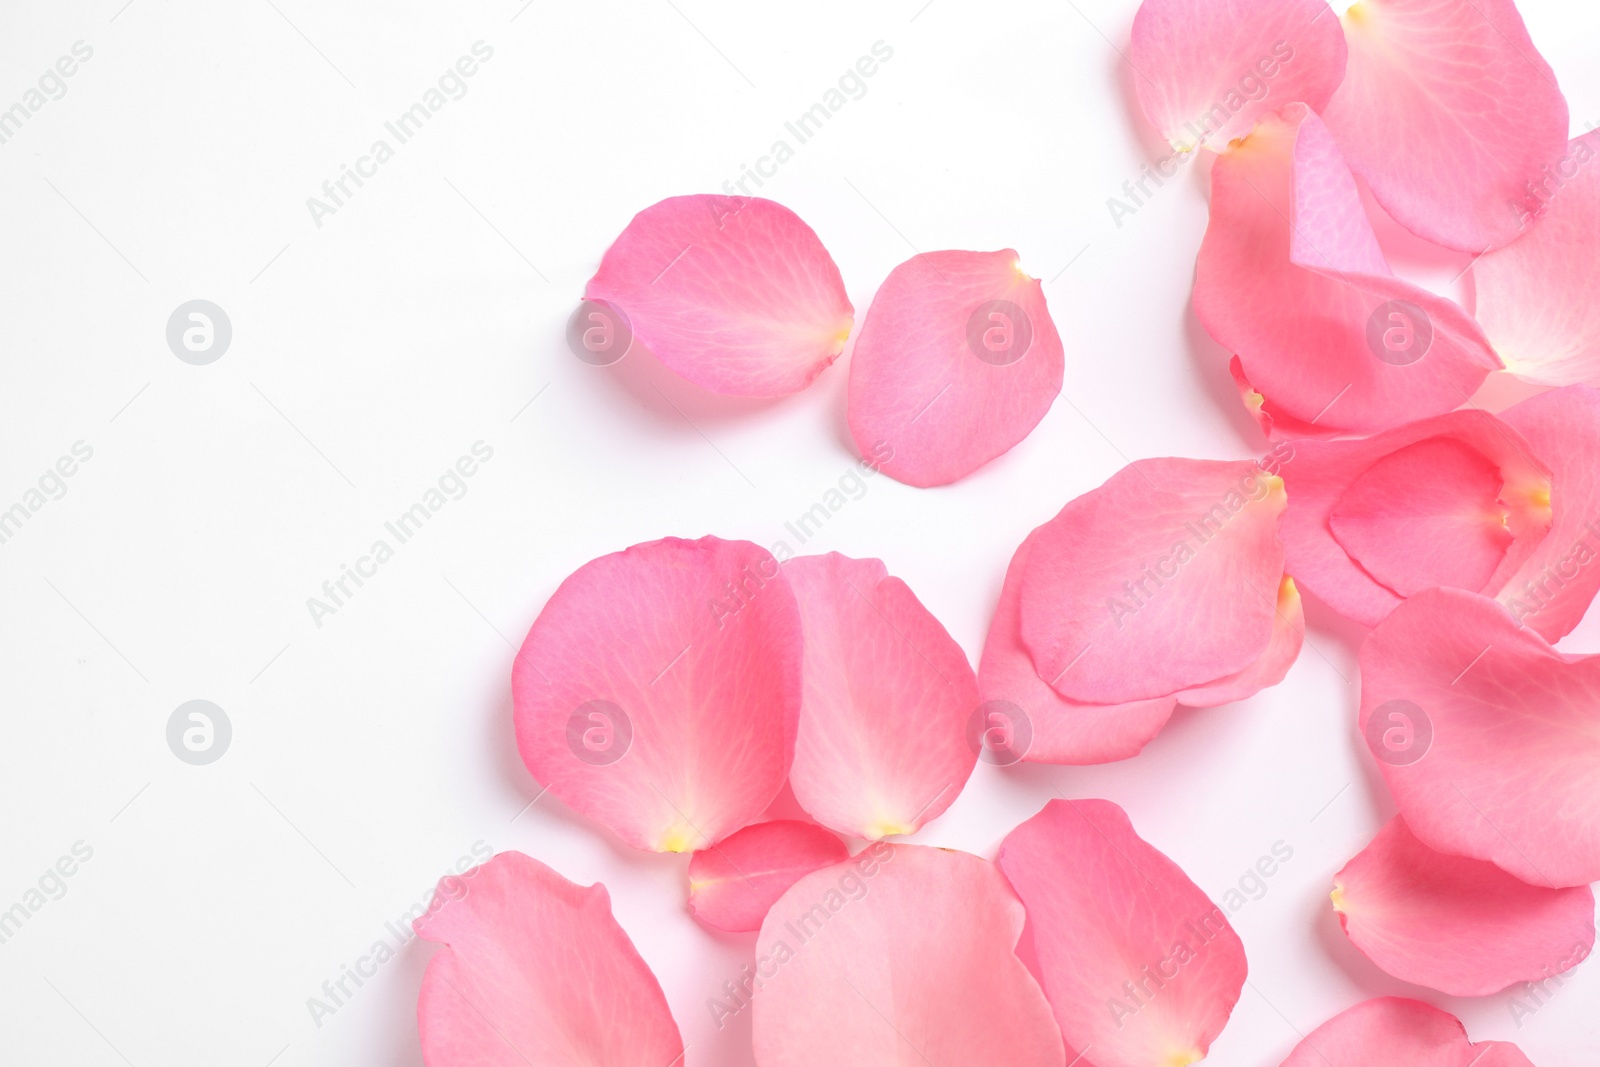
(370, 754)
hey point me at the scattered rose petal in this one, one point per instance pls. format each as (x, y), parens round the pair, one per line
(1164, 579)
(1458, 499)
(1535, 296)
(1392, 1032)
(1488, 737)
(902, 956)
(1208, 69)
(957, 361)
(1291, 280)
(658, 691)
(1022, 718)
(1140, 967)
(1556, 583)
(536, 970)
(1458, 925)
(882, 746)
(1449, 112)
(734, 293)
(732, 885)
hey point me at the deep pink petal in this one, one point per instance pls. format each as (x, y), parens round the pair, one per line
(734, 293)
(1458, 925)
(1022, 718)
(1535, 296)
(1323, 477)
(1488, 737)
(1140, 967)
(1554, 586)
(905, 955)
(1208, 69)
(1291, 280)
(1163, 579)
(1393, 1032)
(957, 361)
(882, 746)
(1424, 515)
(658, 691)
(1449, 112)
(734, 884)
(536, 970)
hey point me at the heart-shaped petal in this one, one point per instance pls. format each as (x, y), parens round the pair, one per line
(735, 293)
(658, 690)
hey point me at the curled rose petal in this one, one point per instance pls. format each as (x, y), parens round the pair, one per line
(1208, 69)
(1393, 1032)
(734, 293)
(1164, 579)
(1488, 737)
(904, 955)
(1450, 113)
(536, 970)
(1291, 280)
(1140, 967)
(882, 745)
(1458, 925)
(1458, 499)
(1557, 581)
(1535, 296)
(733, 885)
(658, 690)
(956, 362)
(1022, 718)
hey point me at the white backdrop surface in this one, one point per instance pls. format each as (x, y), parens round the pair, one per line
(375, 344)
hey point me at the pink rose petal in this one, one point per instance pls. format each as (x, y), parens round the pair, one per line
(1022, 718)
(1291, 280)
(1488, 737)
(536, 970)
(734, 884)
(1392, 1032)
(1165, 578)
(905, 955)
(1449, 112)
(1358, 515)
(1140, 967)
(1536, 295)
(882, 746)
(1208, 69)
(1458, 925)
(734, 293)
(956, 362)
(1553, 587)
(658, 691)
